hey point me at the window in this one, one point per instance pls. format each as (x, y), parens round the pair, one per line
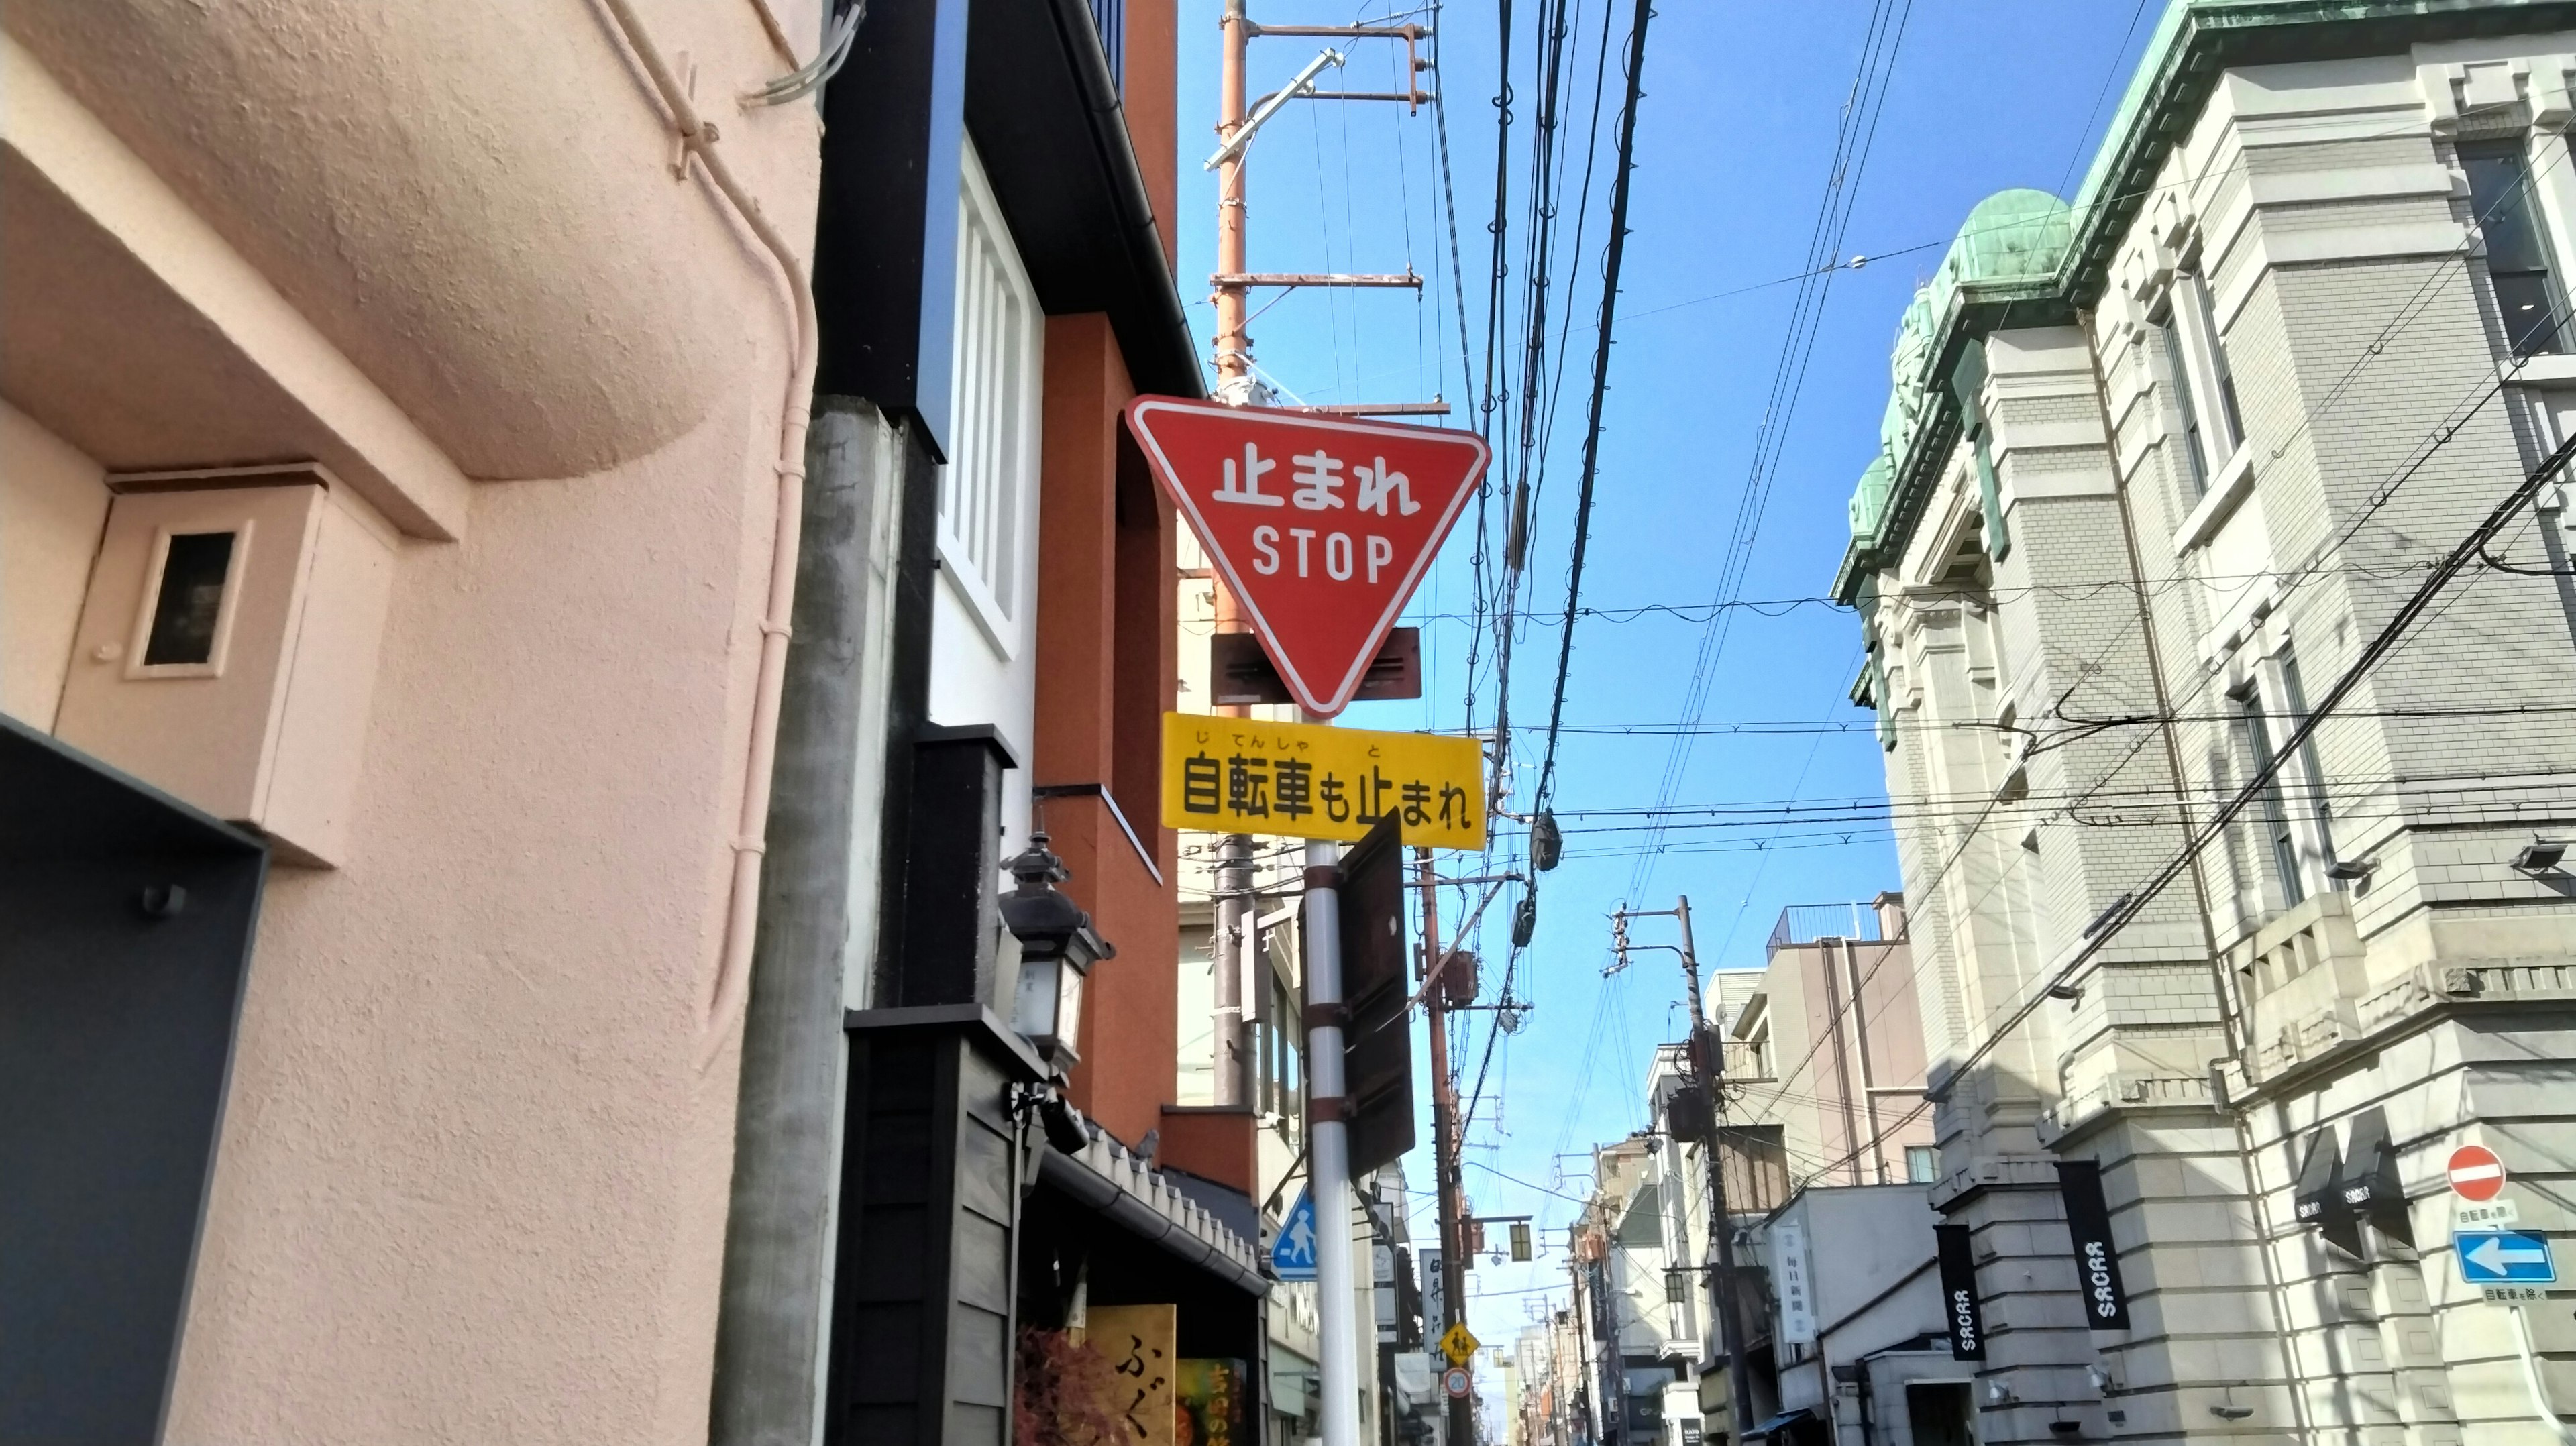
(1922, 1164)
(196, 569)
(1282, 1058)
(2527, 294)
(990, 480)
(2256, 734)
(2205, 385)
(2321, 808)
(2194, 448)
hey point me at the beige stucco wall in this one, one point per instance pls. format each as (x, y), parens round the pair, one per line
(52, 505)
(472, 1175)
(494, 248)
(472, 1181)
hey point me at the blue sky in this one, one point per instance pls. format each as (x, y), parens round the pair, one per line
(1742, 106)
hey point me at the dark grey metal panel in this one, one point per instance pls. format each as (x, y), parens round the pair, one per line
(126, 920)
(1377, 1045)
(922, 1334)
(950, 914)
(885, 245)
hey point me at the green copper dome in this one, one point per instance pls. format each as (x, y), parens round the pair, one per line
(1869, 499)
(2010, 236)
(1906, 367)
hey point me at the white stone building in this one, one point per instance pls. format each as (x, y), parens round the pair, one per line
(2160, 469)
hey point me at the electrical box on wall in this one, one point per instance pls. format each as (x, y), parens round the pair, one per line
(227, 646)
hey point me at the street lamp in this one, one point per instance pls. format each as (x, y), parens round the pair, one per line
(1058, 946)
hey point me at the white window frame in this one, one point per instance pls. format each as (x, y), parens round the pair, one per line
(988, 491)
(2551, 192)
(148, 608)
(2300, 785)
(2203, 361)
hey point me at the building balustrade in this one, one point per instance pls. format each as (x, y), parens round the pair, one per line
(2304, 978)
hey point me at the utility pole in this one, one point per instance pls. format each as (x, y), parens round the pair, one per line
(1236, 945)
(1444, 1135)
(1707, 1056)
(1234, 380)
(1235, 942)
(1237, 119)
(1241, 985)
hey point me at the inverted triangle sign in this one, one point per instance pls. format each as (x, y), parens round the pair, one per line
(1321, 526)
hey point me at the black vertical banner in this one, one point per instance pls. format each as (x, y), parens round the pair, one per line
(2097, 1261)
(1959, 1308)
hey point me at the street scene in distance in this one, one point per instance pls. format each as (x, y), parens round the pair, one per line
(1280, 723)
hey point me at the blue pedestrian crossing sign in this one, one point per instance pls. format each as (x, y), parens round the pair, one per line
(1292, 1255)
(2503, 1257)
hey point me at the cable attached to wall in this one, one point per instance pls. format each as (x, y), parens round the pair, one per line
(732, 983)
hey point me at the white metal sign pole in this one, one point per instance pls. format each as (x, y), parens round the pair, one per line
(1328, 1148)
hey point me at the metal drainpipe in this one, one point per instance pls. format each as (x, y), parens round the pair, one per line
(1860, 1051)
(1868, 1429)
(1842, 1053)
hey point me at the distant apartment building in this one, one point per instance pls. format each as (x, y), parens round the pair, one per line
(1849, 1345)
(1820, 1057)
(2164, 476)
(1825, 1052)
(1633, 1301)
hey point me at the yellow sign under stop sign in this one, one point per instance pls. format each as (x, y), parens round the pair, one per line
(1304, 780)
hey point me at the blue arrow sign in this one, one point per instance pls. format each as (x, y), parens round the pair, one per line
(1292, 1255)
(2503, 1257)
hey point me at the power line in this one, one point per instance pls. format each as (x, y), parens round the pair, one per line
(1854, 140)
(2084, 137)
(1546, 185)
(2379, 647)
(2404, 315)
(1614, 257)
(2067, 591)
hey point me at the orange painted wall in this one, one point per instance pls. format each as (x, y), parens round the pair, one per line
(1152, 105)
(1213, 1142)
(1107, 669)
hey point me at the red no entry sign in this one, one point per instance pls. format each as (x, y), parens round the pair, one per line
(1321, 526)
(2476, 1173)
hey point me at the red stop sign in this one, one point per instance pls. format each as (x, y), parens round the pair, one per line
(2476, 1173)
(1321, 526)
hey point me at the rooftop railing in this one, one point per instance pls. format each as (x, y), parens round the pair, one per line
(1806, 923)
